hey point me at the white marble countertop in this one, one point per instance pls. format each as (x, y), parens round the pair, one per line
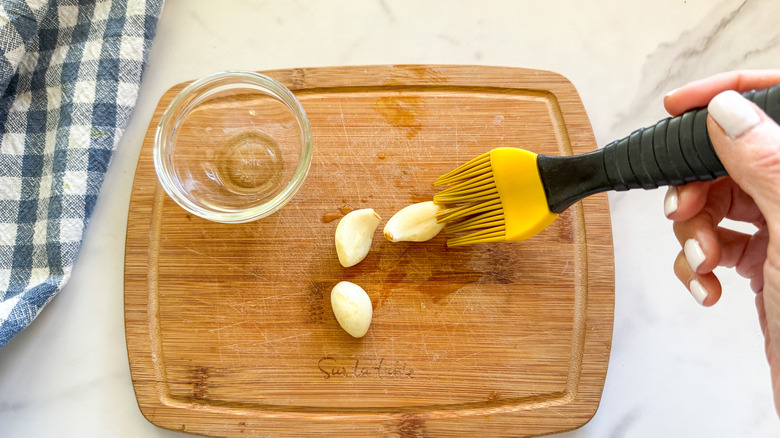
(676, 369)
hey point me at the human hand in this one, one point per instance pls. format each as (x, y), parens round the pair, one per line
(747, 142)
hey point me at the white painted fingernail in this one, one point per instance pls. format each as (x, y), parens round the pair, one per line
(693, 253)
(670, 201)
(698, 291)
(733, 113)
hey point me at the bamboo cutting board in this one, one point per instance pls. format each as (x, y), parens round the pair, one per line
(229, 327)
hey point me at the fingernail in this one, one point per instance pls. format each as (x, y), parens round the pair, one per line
(671, 92)
(698, 291)
(693, 253)
(733, 113)
(670, 201)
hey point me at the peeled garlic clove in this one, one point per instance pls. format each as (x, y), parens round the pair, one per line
(354, 235)
(352, 307)
(414, 223)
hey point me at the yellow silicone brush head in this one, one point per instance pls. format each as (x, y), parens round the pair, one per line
(496, 197)
(471, 203)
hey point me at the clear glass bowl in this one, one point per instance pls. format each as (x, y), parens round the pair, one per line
(233, 147)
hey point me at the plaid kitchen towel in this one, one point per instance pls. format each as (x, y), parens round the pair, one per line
(69, 76)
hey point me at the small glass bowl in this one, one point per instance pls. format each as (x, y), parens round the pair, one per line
(233, 147)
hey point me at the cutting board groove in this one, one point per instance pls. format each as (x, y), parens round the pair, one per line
(229, 327)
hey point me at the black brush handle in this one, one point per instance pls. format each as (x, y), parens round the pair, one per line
(674, 151)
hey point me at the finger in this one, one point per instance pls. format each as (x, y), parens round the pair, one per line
(698, 93)
(742, 207)
(747, 142)
(704, 288)
(707, 246)
(732, 246)
(720, 198)
(751, 264)
(699, 232)
(699, 240)
(746, 253)
(683, 202)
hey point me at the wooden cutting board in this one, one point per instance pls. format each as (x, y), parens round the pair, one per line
(229, 327)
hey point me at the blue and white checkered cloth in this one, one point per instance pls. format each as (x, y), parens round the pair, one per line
(69, 76)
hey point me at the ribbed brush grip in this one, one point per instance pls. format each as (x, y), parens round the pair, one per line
(674, 151)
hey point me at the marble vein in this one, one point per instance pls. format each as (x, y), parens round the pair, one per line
(706, 48)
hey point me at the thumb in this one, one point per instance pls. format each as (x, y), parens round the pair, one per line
(747, 141)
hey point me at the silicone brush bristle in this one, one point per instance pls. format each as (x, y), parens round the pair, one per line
(496, 197)
(471, 203)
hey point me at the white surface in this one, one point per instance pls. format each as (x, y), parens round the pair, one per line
(676, 369)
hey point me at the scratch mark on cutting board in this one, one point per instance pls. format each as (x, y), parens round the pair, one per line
(424, 336)
(437, 328)
(272, 342)
(300, 335)
(453, 348)
(360, 162)
(461, 358)
(457, 137)
(450, 300)
(215, 259)
(343, 123)
(226, 327)
(256, 304)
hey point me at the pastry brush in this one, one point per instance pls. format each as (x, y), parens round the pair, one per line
(510, 194)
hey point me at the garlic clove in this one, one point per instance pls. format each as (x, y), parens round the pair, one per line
(414, 223)
(352, 307)
(354, 235)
